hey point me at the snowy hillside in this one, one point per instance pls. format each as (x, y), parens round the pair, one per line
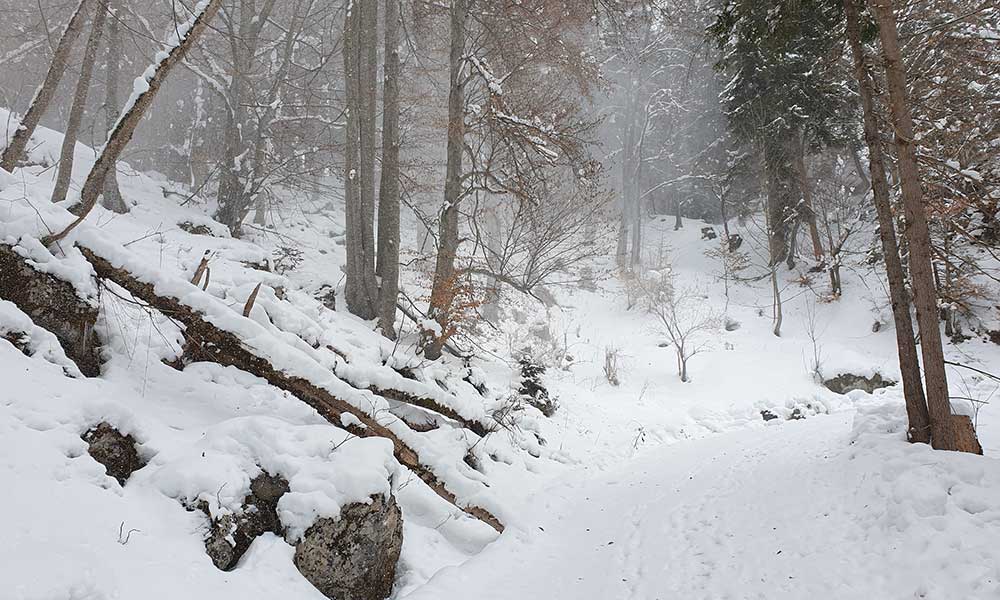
(752, 480)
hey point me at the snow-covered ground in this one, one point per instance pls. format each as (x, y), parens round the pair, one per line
(652, 488)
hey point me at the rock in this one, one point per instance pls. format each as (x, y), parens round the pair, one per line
(353, 557)
(231, 535)
(194, 229)
(327, 295)
(708, 233)
(115, 451)
(848, 382)
(768, 415)
(52, 304)
(734, 242)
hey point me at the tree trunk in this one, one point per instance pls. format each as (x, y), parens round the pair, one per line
(444, 287)
(234, 197)
(909, 364)
(387, 267)
(360, 290)
(126, 125)
(778, 196)
(678, 219)
(807, 202)
(112, 198)
(67, 151)
(15, 150)
(918, 237)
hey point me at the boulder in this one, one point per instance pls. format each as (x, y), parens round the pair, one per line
(353, 556)
(231, 534)
(52, 304)
(115, 451)
(848, 382)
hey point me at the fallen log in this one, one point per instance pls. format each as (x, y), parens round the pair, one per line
(430, 404)
(211, 343)
(52, 304)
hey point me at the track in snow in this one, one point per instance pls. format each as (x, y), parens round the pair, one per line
(776, 512)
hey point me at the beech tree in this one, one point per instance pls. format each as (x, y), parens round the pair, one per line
(40, 103)
(79, 103)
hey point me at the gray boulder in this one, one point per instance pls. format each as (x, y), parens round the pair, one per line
(848, 382)
(354, 556)
(117, 452)
(230, 535)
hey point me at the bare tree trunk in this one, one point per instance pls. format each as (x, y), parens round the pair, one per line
(917, 234)
(112, 198)
(368, 80)
(444, 287)
(79, 104)
(778, 195)
(909, 364)
(360, 289)
(126, 125)
(807, 201)
(678, 219)
(15, 150)
(387, 267)
(860, 170)
(777, 316)
(244, 38)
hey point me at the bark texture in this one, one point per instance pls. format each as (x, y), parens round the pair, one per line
(387, 266)
(909, 365)
(917, 234)
(445, 274)
(360, 290)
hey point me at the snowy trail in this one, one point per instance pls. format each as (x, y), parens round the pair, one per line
(778, 512)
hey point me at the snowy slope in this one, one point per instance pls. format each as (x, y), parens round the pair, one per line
(800, 510)
(653, 488)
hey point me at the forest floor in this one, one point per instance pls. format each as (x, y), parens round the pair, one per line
(649, 489)
(794, 511)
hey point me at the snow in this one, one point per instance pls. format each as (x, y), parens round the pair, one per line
(652, 488)
(809, 509)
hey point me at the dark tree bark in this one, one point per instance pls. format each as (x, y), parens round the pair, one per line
(72, 132)
(40, 103)
(445, 275)
(917, 234)
(387, 267)
(112, 198)
(126, 126)
(909, 365)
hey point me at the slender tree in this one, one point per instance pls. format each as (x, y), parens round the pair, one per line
(184, 37)
(387, 267)
(917, 234)
(909, 365)
(68, 149)
(444, 285)
(112, 198)
(43, 97)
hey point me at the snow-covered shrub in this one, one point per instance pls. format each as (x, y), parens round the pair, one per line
(532, 390)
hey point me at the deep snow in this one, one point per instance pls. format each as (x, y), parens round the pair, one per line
(649, 489)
